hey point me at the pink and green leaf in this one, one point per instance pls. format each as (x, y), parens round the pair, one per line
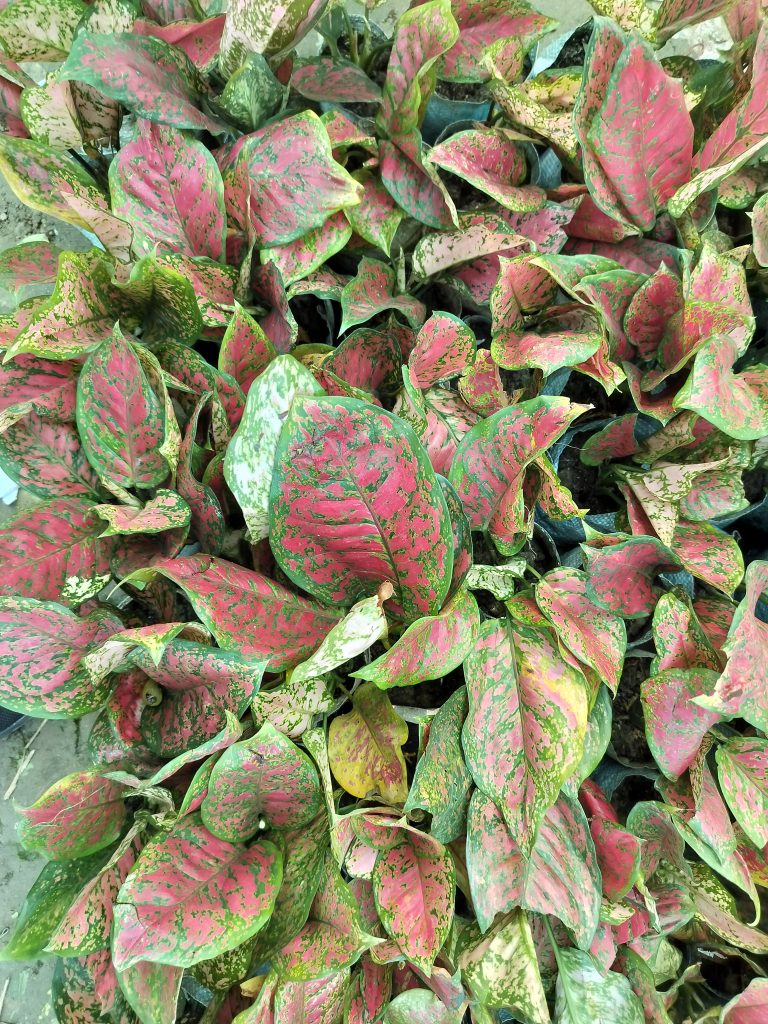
(371, 291)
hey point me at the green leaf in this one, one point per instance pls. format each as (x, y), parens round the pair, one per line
(38, 29)
(250, 458)
(585, 994)
(442, 783)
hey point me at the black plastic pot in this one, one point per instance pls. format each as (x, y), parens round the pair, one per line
(10, 721)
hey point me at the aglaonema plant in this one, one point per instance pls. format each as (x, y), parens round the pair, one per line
(395, 497)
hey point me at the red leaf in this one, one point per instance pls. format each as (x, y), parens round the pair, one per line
(334, 81)
(674, 725)
(200, 40)
(444, 346)
(482, 24)
(620, 573)
(169, 189)
(281, 625)
(192, 896)
(355, 471)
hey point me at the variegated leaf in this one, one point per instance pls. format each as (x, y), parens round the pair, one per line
(42, 647)
(282, 626)
(414, 887)
(249, 462)
(524, 733)
(264, 782)
(742, 768)
(169, 189)
(362, 626)
(33, 30)
(365, 747)
(166, 511)
(442, 783)
(431, 647)
(338, 461)
(371, 291)
(586, 994)
(214, 896)
(80, 814)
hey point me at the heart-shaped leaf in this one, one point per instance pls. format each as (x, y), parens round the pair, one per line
(371, 291)
(524, 732)
(342, 459)
(264, 782)
(42, 646)
(169, 189)
(80, 814)
(365, 747)
(414, 887)
(192, 916)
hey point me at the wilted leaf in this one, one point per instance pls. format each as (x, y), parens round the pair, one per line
(365, 747)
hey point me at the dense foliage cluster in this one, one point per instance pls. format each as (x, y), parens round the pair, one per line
(396, 460)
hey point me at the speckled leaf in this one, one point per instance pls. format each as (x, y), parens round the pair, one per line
(166, 511)
(476, 234)
(480, 25)
(361, 627)
(742, 768)
(192, 896)
(280, 625)
(78, 815)
(431, 647)
(371, 357)
(153, 79)
(340, 462)
(709, 554)
(285, 181)
(73, 995)
(444, 346)
(442, 782)
(42, 646)
(480, 385)
(597, 637)
(488, 467)
(250, 459)
(674, 725)
(760, 230)
(53, 551)
(80, 314)
(643, 142)
(47, 459)
(46, 903)
(565, 336)
(268, 28)
(169, 189)
(152, 991)
(85, 926)
(377, 216)
(679, 638)
(50, 113)
(315, 1002)
(365, 747)
(422, 34)
(332, 938)
(28, 269)
(262, 782)
(245, 350)
(199, 687)
(230, 733)
(39, 31)
(200, 40)
(334, 81)
(585, 994)
(292, 707)
(414, 886)
(413, 183)
(522, 287)
(740, 689)
(736, 403)
(524, 733)
(560, 877)
(492, 161)
(120, 418)
(420, 1006)
(501, 969)
(371, 292)
(749, 1006)
(621, 573)
(298, 259)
